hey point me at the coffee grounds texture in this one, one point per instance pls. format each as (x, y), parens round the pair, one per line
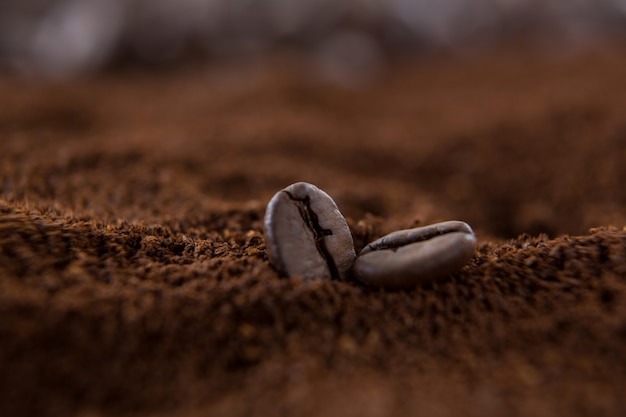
(134, 278)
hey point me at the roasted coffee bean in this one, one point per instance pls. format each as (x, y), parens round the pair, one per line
(306, 235)
(406, 258)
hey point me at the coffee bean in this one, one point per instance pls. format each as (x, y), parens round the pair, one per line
(406, 258)
(306, 235)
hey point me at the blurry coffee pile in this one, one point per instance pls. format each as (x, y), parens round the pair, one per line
(69, 37)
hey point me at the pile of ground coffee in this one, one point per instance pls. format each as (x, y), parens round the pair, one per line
(134, 278)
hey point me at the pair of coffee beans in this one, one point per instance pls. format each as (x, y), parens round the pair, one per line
(307, 236)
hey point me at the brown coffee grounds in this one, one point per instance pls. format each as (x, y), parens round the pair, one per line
(133, 273)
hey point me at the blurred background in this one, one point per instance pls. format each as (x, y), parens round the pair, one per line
(69, 37)
(508, 114)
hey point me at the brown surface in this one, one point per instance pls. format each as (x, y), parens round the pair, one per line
(134, 278)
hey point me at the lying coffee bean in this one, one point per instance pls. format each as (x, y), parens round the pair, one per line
(306, 235)
(410, 257)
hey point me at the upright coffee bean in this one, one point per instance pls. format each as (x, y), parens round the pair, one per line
(306, 235)
(410, 257)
